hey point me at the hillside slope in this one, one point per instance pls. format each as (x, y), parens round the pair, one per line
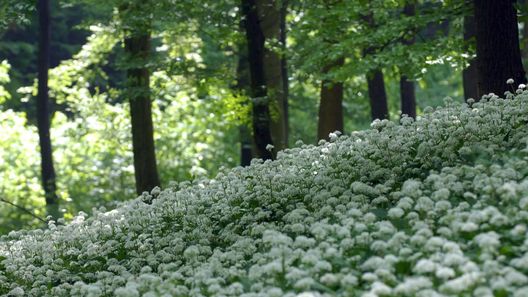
(436, 207)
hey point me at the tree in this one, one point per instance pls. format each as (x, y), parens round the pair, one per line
(470, 74)
(331, 98)
(271, 19)
(243, 86)
(137, 49)
(331, 104)
(259, 92)
(498, 52)
(284, 69)
(43, 110)
(379, 108)
(407, 90)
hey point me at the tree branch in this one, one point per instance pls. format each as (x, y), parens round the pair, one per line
(24, 210)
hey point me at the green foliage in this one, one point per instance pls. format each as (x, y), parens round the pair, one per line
(15, 11)
(369, 35)
(4, 79)
(195, 135)
(19, 45)
(19, 172)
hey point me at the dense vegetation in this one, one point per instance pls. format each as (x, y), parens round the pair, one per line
(200, 89)
(273, 148)
(433, 207)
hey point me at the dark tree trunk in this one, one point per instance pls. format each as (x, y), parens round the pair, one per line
(261, 114)
(243, 85)
(524, 40)
(378, 97)
(137, 47)
(407, 91)
(498, 52)
(331, 105)
(246, 148)
(469, 75)
(408, 97)
(376, 84)
(270, 22)
(43, 110)
(284, 70)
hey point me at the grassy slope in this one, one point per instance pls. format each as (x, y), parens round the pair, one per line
(436, 207)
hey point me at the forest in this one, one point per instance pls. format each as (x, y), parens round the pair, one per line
(300, 148)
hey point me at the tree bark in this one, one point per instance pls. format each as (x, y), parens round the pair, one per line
(261, 113)
(470, 75)
(408, 97)
(44, 111)
(331, 105)
(524, 40)
(137, 47)
(376, 84)
(498, 52)
(378, 96)
(284, 70)
(243, 85)
(407, 89)
(270, 14)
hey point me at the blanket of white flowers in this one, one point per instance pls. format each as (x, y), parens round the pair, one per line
(433, 207)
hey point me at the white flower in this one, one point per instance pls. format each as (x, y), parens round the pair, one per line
(308, 294)
(510, 81)
(424, 266)
(461, 283)
(444, 273)
(270, 147)
(396, 212)
(18, 291)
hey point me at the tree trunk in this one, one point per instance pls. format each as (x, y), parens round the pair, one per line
(407, 91)
(378, 97)
(376, 84)
(331, 105)
(408, 97)
(243, 85)
(270, 14)
(498, 52)
(525, 38)
(137, 47)
(469, 75)
(284, 70)
(43, 111)
(261, 114)
(246, 149)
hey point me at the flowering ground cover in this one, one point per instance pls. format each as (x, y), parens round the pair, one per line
(436, 207)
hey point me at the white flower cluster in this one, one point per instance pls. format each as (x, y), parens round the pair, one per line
(436, 207)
